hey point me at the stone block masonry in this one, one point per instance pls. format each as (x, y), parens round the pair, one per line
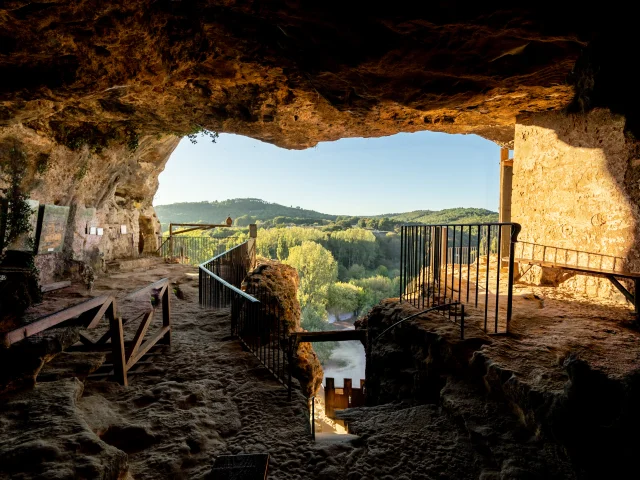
(576, 185)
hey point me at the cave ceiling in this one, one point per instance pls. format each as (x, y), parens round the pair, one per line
(291, 73)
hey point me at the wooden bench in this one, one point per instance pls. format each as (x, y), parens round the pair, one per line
(611, 275)
(89, 313)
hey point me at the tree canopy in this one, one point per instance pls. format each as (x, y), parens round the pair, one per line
(317, 270)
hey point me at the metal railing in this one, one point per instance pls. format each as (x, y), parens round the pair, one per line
(464, 255)
(569, 257)
(256, 318)
(312, 411)
(191, 250)
(431, 275)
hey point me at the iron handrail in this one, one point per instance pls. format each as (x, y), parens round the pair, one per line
(223, 253)
(489, 224)
(313, 417)
(437, 307)
(228, 285)
(255, 319)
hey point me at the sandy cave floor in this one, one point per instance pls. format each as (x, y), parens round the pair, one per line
(209, 397)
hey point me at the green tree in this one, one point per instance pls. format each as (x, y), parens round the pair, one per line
(314, 319)
(282, 251)
(317, 270)
(383, 271)
(356, 272)
(355, 245)
(377, 288)
(244, 221)
(385, 224)
(343, 297)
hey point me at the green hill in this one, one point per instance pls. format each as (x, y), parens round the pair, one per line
(217, 212)
(449, 215)
(258, 210)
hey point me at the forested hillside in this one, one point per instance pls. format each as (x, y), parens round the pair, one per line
(450, 215)
(346, 264)
(252, 210)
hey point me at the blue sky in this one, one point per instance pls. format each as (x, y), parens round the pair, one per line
(355, 176)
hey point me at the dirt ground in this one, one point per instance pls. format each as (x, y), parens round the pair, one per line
(208, 397)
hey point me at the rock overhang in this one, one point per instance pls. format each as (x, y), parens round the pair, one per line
(288, 73)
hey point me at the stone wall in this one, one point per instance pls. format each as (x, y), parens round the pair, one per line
(105, 188)
(576, 186)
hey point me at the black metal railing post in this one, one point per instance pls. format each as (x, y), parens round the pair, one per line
(438, 264)
(253, 311)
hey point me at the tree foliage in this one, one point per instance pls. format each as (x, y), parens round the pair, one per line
(317, 270)
(354, 246)
(344, 297)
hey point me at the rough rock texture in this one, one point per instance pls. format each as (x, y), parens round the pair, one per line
(103, 91)
(23, 361)
(281, 282)
(105, 189)
(285, 72)
(209, 397)
(568, 373)
(593, 169)
(51, 439)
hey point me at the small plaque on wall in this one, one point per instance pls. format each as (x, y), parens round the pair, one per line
(52, 228)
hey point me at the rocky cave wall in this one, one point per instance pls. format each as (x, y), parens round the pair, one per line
(104, 90)
(105, 188)
(576, 186)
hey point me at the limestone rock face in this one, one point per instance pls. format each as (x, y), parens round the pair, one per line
(102, 92)
(281, 282)
(289, 73)
(105, 188)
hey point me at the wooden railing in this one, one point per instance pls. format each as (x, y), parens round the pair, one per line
(124, 355)
(88, 314)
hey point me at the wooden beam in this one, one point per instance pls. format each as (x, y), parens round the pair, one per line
(142, 329)
(331, 336)
(623, 290)
(584, 270)
(53, 320)
(159, 284)
(166, 315)
(99, 314)
(86, 340)
(147, 346)
(117, 348)
(50, 287)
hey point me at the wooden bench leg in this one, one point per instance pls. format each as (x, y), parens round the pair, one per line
(166, 317)
(117, 343)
